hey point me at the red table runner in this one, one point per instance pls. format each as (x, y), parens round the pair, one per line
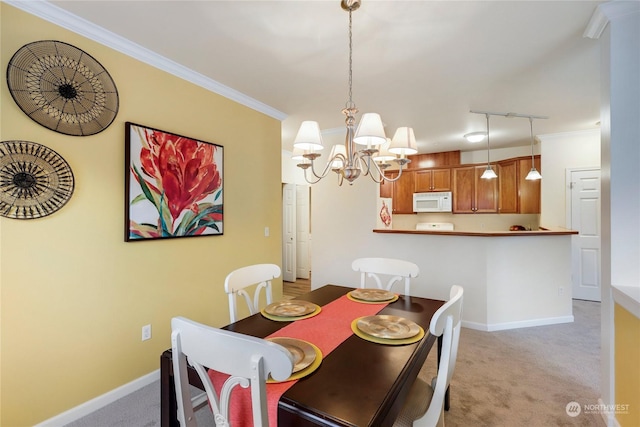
(327, 331)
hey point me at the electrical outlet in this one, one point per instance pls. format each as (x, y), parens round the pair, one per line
(560, 291)
(266, 232)
(146, 332)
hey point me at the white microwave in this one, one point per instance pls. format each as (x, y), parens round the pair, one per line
(432, 202)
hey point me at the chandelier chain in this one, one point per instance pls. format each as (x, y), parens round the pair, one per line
(350, 103)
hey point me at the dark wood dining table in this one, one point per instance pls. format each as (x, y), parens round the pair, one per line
(360, 383)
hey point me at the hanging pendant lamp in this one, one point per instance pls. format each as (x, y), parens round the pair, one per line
(533, 173)
(489, 173)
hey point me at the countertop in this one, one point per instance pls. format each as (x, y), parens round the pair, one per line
(541, 231)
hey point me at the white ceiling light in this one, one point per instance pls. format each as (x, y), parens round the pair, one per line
(475, 136)
(344, 159)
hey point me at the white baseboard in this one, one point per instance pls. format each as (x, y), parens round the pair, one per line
(515, 325)
(609, 418)
(99, 402)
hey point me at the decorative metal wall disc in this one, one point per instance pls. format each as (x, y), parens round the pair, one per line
(62, 87)
(35, 181)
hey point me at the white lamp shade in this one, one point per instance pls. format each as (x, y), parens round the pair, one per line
(370, 131)
(404, 142)
(308, 137)
(337, 149)
(383, 154)
(533, 175)
(488, 173)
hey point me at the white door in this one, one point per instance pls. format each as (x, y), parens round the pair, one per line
(585, 247)
(303, 230)
(289, 232)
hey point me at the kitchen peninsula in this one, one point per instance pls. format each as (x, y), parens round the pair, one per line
(512, 279)
(486, 233)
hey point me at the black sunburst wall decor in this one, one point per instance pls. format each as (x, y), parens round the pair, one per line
(62, 88)
(35, 181)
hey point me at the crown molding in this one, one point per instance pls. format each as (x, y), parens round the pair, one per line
(71, 22)
(607, 12)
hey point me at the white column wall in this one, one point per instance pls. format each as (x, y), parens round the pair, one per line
(620, 109)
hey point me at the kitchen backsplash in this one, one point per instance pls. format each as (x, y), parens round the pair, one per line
(471, 222)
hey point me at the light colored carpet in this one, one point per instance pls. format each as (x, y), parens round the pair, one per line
(526, 377)
(522, 377)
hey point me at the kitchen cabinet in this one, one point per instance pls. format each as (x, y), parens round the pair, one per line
(516, 194)
(401, 191)
(432, 180)
(529, 191)
(508, 186)
(472, 194)
(434, 160)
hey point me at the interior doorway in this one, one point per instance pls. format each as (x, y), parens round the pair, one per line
(296, 232)
(583, 215)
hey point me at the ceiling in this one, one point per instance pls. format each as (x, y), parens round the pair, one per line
(423, 64)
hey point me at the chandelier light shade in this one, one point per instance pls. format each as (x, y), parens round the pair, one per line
(384, 155)
(403, 142)
(533, 173)
(370, 131)
(345, 160)
(338, 152)
(489, 173)
(309, 136)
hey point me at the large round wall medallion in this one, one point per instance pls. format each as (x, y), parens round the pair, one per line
(62, 88)
(35, 181)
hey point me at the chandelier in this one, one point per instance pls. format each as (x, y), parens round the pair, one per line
(345, 160)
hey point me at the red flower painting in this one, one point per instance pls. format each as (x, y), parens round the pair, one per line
(180, 178)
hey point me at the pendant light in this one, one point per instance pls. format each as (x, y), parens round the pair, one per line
(533, 173)
(489, 172)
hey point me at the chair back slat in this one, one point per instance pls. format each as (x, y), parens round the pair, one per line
(236, 282)
(446, 323)
(247, 360)
(393, 270)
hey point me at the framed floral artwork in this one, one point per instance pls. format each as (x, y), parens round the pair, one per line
(173, 185)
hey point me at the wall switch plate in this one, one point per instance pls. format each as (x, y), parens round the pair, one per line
(146, 332)
(266, 232)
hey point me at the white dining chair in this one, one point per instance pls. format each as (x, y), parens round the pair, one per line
(425, 403)
(236, 282)
(248, 360)
(398, 269)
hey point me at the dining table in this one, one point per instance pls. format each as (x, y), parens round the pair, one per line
(358, 383)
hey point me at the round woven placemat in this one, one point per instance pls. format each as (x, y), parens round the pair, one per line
(35, 181)
(62, 88)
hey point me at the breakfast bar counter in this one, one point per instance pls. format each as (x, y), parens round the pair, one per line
(512, 279)
(482, 233)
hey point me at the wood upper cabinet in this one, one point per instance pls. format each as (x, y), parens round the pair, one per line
(434, 160)
(386, 187)
(401, 191)
(432, 180)
(529, 190)
(508, 186)
(472, 194)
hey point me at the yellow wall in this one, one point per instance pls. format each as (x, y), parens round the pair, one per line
(73, 294)
(627, 365)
